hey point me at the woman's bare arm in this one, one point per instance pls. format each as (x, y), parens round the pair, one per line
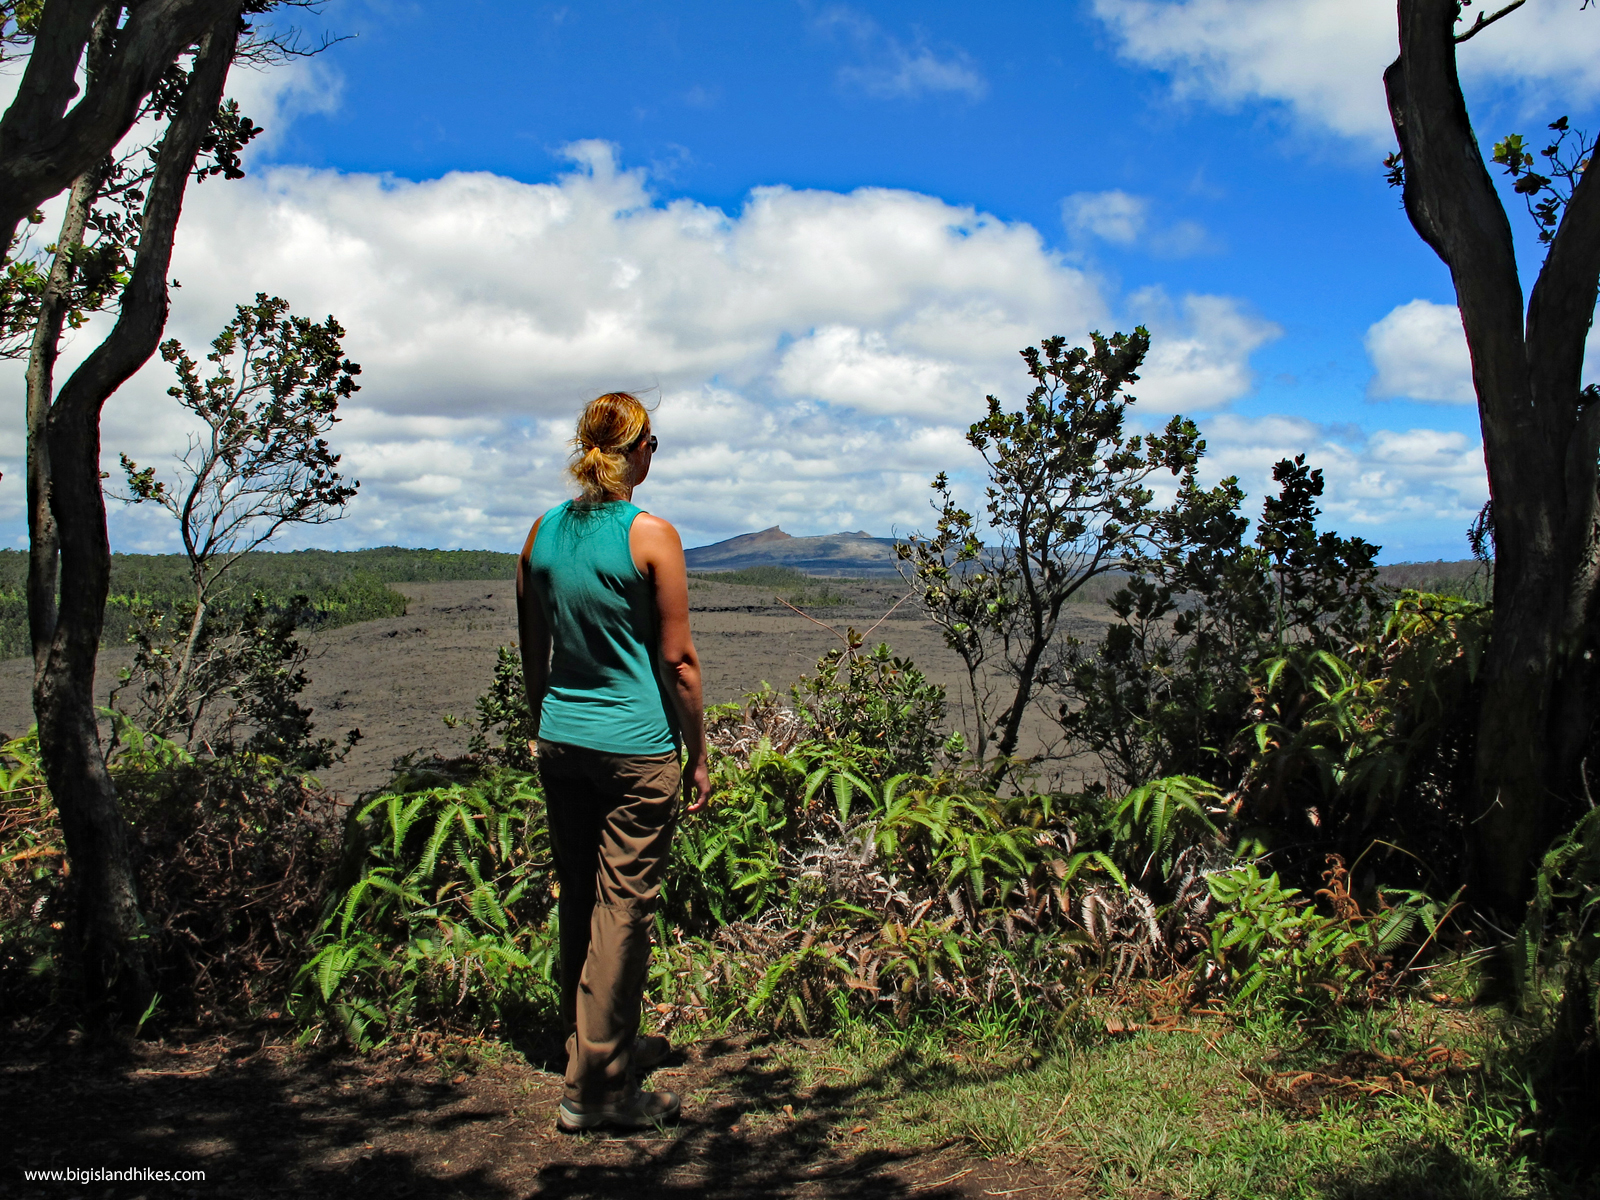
(533, 635)
(658, 553)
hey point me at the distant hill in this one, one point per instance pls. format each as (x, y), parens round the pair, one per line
(861, 554)
(838, 554)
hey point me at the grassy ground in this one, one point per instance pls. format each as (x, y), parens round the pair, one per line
(1403, 1102)
(1164, 1113)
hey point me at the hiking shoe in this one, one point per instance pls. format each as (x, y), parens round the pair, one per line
(638, 1111)
(649, 1052)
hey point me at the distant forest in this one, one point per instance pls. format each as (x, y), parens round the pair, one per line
(339, 587)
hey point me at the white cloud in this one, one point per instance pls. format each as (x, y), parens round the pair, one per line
(1375, 482)
(1199, 352)
(1325, 61)
(818, 355)
(890, 69)
(856, 369)
(1114, 216)
(1419, 352)
(1123, 219)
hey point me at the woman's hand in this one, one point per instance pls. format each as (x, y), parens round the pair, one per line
(697, 786)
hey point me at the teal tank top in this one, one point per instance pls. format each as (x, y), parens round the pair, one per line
(605, 690)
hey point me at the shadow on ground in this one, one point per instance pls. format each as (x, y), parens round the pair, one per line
(262, 1120)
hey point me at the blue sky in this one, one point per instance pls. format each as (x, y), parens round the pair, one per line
(823, 231)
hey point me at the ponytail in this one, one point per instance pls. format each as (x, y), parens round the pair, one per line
(609, 427)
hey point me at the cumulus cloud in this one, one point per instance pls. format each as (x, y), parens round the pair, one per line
(856, 369)
(890, 69)
(1200, 350)
(1419, 352)
(1375, 481)
(1324, 62)
(816, 354)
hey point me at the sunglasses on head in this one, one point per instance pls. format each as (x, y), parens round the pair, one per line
(650, 441)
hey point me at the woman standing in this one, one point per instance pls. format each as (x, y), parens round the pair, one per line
(614, 687)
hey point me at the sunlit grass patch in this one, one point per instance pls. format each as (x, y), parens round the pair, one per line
(1170, 1113)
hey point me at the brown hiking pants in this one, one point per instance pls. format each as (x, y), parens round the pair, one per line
(611, 819)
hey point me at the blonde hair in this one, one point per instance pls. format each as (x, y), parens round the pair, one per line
(609, 427)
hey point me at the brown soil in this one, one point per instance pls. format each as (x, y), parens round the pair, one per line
(263, 1120)
(397, 679)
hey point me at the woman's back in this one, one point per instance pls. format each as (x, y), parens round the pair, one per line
(605, 691)
(603, 618)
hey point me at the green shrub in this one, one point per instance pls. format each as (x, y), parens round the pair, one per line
(1370, 749)
(811, 890)
(872, 898)
(1559, 942)
(826, 880)
(1166, 689)
(504, 727)
(1556, 963)
(882, 704)
(1152, 826)
(32, 882)
(233, 689)
(1273, 947)
(442, 915)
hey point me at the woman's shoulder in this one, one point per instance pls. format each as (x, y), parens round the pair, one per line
(653, 526)
(655, 544)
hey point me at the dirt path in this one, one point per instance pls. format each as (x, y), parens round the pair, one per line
(263, 1121)
(397, 679)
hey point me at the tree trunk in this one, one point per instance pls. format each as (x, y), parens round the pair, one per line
(115, 967)
(53, 305)
(1541, 440)
(1027, 673)
(177, 700)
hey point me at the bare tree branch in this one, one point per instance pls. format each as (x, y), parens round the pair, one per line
(1485, 20)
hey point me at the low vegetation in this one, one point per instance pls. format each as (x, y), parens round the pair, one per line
(1246, 963)
(785, 584)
